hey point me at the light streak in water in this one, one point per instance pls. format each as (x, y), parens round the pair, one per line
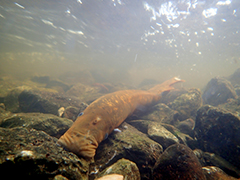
(19, 5)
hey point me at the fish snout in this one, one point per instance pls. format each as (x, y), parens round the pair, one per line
(78, 144)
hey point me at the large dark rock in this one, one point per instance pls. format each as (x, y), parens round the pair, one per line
(178, 162)
(30, 154)
(51, 124)
(187, 104)
(217, 131)
(218, 91)
(130, 144)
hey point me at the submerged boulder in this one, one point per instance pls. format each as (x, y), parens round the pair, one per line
(187, 104)
(51, 124)
(217, 131)
(161, 113)
(161, 135)
(178, 162)
(31, 154)
(28, 99)
(218, 91)
(130, 144)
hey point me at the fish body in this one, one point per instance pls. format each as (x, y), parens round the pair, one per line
(106, 113)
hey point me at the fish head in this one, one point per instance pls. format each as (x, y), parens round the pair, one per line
(83, 137)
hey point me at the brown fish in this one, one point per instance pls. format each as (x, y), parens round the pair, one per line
(106, 113)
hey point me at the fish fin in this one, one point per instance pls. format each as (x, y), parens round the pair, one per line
(106, 136)
(165, 86)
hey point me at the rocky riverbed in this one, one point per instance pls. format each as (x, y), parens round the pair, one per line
(191, 134)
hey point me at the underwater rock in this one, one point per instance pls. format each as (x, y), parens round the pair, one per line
(237, 89)
(4, 114)
(130, 144)
(61, 110)
(232, 105)
(161, 135)
(141, 125)
(31, 154)
(161, 113)
(84, 92)
(27, 99)
(53, 84)
(172, 95)
(217, 131)
(218, 91)
(51, 124)
(128, 169)
(213, 173)
(41, 79)
(73, 112)
(182, 138)
(58, 85)
(211, 159)
(60, 177)
(178, 162)
(84, 76)
(187, 104)
(235, 77)
(186, 126)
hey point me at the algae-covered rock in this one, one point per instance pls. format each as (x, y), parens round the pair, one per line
(217, 131)
(178, 162)
(130, 144)
(31, 154)
(232, 105)
(51, 124)
(128, 169)
(187, 104)
(213, 173)
(218, 91)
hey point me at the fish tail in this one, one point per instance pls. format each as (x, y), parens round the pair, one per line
(165, 86)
